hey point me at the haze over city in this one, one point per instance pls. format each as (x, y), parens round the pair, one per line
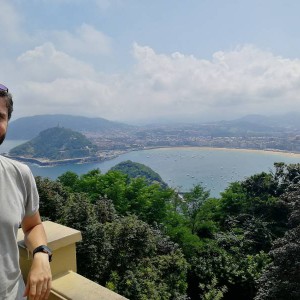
(150, 61)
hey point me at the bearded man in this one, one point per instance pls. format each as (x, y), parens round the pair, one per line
(19, 204)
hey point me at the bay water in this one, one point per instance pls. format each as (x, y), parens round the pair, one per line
(182, 168)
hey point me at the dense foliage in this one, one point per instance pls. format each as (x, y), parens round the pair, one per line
(56, 143)
(149, 242)
(281, 279)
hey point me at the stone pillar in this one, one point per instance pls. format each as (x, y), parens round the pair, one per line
(66, 284)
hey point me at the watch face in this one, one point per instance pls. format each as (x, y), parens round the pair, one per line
(47, 250)
(43, 249)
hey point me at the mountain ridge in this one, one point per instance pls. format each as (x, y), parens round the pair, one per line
(26, 128)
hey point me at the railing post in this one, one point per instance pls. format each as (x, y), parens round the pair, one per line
(66, 284)
(61, 240)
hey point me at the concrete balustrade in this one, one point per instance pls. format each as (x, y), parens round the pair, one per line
(67, 284)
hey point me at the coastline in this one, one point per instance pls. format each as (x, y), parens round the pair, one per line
(50, 163)
(265, 151)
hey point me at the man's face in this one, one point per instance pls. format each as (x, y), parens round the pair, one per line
(3, 119)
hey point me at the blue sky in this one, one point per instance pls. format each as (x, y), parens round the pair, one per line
(149, 61)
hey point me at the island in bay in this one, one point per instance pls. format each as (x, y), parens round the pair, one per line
(55, 146)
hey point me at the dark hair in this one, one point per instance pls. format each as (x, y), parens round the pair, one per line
(9, 102)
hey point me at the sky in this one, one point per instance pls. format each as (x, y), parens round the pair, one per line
(138, 61)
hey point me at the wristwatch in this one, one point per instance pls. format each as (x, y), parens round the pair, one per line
(43, 249)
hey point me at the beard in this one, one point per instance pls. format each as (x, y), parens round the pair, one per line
(2, 138)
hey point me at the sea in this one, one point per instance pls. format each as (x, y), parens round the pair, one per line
(183, 167)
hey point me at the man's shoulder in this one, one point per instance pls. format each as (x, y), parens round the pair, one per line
(13, 164)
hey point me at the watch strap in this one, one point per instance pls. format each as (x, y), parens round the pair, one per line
(44, 249)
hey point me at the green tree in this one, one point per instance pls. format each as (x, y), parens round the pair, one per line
(105, 210)
(232, 200)
(281, 280)
(53, 198)
(250, 198)
(149, 202)
(193, 201)
(145, 264)
(68, 179)
(208, 218)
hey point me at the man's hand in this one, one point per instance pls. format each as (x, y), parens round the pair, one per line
(39, 278)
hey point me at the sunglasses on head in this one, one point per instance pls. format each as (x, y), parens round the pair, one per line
(3, 88)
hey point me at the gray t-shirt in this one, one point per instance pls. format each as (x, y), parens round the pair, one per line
(18, 198)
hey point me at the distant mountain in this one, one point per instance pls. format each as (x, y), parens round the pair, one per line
(243, 127)
(251, 125)
(134, 170)
(256, 125)
(290, 120)
(56, 144)
(29, 127)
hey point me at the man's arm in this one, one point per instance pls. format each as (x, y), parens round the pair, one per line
(39, 278)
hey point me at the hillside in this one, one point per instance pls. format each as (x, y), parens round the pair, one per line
(29, 127)
(56, 143)
(134, 170)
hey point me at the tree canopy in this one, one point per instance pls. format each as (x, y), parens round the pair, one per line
(146, 241)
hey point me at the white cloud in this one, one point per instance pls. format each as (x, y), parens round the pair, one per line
(86, 40)
(245, 80)
(68, 96)
(59, 71)
(50, 81)
(171, 86)
(45, 63)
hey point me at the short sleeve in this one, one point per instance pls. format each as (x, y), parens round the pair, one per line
(32, 197)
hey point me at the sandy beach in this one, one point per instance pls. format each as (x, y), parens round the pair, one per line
(267, 151)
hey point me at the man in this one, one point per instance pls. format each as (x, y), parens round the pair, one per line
(19, 203)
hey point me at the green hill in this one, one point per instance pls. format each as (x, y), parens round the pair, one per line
(56, 144)
(134, 169)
